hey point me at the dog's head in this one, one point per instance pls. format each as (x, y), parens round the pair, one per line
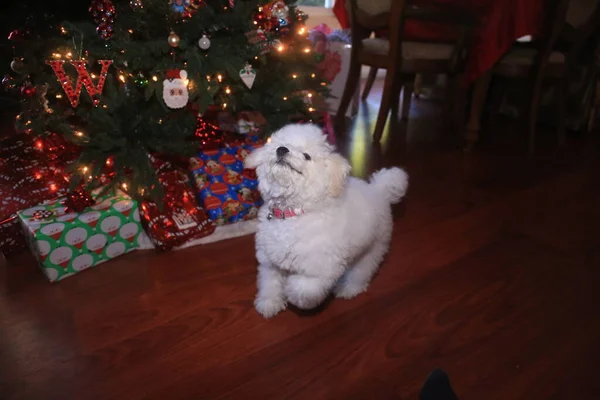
(298, 167)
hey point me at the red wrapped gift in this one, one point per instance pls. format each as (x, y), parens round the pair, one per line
(31, 171)
(181, 219)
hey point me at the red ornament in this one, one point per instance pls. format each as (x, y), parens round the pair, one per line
(27, 89)
(83, 78)
(78, 200)
(103, 12)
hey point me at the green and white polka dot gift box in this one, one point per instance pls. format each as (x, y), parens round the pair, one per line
(66, 243)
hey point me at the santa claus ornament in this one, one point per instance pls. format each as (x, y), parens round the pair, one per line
(175, 88)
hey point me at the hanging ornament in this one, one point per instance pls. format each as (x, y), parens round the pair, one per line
(17, 65)
(190, 7)
(231, 3)
(280, 10)
(8, 83)
(173, 39)
(136, 4)
(204, 42)
(300, 15)
(83, 79)
(103, 12)
(248, 75)
(27, 89)
(175, 89)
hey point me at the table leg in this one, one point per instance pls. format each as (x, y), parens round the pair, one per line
(480, 90)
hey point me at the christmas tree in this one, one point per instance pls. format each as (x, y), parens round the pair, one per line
(135, 79)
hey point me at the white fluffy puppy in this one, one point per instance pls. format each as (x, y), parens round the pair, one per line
(319, 230)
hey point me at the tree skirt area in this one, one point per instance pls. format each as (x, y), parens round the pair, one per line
(225, 232)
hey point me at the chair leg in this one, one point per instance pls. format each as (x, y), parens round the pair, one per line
(561, 105)
(407, 92)
(418, 85)
(533, 111)
(386, 101)
(352, 83)
(369, 83)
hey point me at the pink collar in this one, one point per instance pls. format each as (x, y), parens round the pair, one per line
(278, 213)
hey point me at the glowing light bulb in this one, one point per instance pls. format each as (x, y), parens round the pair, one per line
(84, 169)
(228, 91)
(302, 31)
(122, 78)
(186, 82)
(130, 31)
(224, 105)
(59, 96)
(307, 50)
(53, 187)
(155, 78)
(63, 30)
(294, 76)
(310, 109)
(280, 48)
(93, 76)
(309, 95)
(69, 55)
(124, 186)
(109, 162)
(219, 77)
(56, 55)
(284, 98)
(312, 75)
(79, 133)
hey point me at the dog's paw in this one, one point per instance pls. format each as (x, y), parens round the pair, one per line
(269, 306)
(348, 290)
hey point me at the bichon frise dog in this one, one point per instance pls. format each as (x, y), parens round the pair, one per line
(319, 230)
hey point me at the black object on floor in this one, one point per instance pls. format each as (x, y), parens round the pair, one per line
(437, 387)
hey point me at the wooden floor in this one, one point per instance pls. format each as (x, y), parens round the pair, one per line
(493, 275)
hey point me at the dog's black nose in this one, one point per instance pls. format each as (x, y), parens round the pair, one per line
(282, 151)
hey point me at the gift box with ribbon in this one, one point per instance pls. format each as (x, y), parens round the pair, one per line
(180, 220)
(332, 50)
(66, 242)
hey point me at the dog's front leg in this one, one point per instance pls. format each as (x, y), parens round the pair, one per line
(270, 299)
(308, 292)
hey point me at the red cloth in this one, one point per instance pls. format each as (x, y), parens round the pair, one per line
(502, 22)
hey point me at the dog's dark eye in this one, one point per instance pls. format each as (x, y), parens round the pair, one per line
(307, 157)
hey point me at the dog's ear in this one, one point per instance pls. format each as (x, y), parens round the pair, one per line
(339, 168)
(254, 159)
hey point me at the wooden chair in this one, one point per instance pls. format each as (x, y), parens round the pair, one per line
(401, 59)
(546, 62)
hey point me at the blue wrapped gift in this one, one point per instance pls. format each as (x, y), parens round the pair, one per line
(228, 192)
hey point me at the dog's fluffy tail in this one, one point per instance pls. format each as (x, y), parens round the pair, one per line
(392, 183)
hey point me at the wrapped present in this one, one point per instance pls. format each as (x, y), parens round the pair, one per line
(181, 219)
(333, 50)
(227, 191)
(32, 170)
(66, 242)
